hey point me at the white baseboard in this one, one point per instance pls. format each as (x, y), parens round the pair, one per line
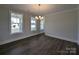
(11, 40)
(61, 38)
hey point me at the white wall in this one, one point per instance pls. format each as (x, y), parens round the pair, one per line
(62, 25)
(5, 35)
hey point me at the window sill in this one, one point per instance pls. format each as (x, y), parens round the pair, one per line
(16, 33)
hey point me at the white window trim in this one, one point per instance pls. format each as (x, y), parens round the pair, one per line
(43, 24)
(21, 22)
(35, 26)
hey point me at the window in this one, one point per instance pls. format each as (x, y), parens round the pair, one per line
(42, 24)
(33, 24)
(16, 23)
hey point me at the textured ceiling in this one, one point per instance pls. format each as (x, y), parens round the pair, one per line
(43, 9)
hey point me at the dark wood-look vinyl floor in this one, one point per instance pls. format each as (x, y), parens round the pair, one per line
(39, 45)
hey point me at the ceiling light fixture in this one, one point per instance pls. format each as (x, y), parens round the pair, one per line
(39, 17)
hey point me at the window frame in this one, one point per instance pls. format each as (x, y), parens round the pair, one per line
(16, 15)
(33, 24)
(43, 24)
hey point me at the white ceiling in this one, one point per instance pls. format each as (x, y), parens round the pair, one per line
(43, 9)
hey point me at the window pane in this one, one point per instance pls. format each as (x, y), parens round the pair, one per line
(32, 21)
(15, 20)
(15, 28)
(33, 26)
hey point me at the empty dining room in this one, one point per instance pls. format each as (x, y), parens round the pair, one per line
(39, 29)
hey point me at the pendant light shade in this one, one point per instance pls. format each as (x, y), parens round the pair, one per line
(36, 17)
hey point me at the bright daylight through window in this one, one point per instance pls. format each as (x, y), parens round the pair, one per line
(33, 24)
(42, 24)
(16, 23)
